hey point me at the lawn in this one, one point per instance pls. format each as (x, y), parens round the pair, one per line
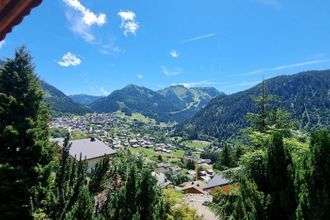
(150, 153)
(178, 153)
(197, 145)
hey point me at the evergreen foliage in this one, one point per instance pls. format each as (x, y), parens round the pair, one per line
(25, 152)
(304, 95)
(60, 103)
(314, 195)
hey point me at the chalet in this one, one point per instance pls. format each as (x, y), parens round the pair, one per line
(216, 182)
(163, 167)
(194, 187)
(92, 150)
(162, 181)
(175, 170)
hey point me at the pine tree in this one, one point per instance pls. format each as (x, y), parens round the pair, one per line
(243, 202)
(226, 156)
(25, 152)
(280, 179)
(318, 196)
(62, 188)
(84, 208)
(99, 175)
(148, 195)
(130, 193)
(259, 120)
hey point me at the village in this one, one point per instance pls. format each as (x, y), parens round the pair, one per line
(177, 162)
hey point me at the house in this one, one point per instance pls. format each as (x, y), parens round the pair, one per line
(175, 170)
(191, 174)
(205, 178)
(162, 167)
(162, 181)
(210, 172)
(207, 161)
(194, 187)
(91, 149)
(218, 181)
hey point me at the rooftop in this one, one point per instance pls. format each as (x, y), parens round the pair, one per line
(217, 180)
(87, 148)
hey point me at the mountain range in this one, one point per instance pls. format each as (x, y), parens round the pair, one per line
(60, 103)
(206, 112)
(175, 103)
(305, 95)
(84, 99)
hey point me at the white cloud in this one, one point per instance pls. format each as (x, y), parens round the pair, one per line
(139, 76)
(80, 28)
(171, 72)
(82, 20)
(174, 54)
(198, 38)
(69, 59)
(88, 17)
(128, 23)
(284, 67)
(2, 43)
(195, 84)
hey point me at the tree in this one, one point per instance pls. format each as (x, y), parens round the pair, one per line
(70, 179)
(243, 202)
(259, 120)
(317, 195)
(148, 199)
(25, 153)
(226, 158)
(84, 208)
(280, 180)
(99, 175)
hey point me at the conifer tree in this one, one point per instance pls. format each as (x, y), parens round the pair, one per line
(25, 152)
(148, 195)
(99, 175)
(259, 120)
(130, 193)
(280, 179)
(226, 156)
(84, 207)
(318, 181)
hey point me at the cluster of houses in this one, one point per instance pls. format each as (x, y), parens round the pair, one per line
(89, 123)
(101, 125)
(93, 150)
(201, 183)
(126, 139)
(202, 187)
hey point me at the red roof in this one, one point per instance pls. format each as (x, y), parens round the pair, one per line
(12, 13)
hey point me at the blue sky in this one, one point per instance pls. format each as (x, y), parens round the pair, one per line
(95, 47)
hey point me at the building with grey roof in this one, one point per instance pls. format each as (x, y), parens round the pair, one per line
(217, 181)
(91, 149)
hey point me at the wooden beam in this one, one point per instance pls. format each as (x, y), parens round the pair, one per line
(13, 13)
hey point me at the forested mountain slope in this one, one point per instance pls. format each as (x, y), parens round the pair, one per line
(84, 99)
(305, 95)
(61, 103)
(175, 103)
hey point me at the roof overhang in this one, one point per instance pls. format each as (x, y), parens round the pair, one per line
(12, 13)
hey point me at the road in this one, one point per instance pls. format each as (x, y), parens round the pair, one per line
(196, 201)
